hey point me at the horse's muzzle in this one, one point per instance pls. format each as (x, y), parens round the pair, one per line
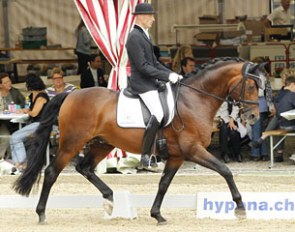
(250, 114)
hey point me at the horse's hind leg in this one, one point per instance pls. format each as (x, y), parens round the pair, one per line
(51, 174)
(171, 168)
(86, 167)
(206, 159)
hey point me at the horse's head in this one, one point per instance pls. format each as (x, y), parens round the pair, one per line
(245, 91)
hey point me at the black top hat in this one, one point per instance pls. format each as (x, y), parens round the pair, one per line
(144, 8)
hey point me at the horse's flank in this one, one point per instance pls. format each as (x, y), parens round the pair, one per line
(96, 118)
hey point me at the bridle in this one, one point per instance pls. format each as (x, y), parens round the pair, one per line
(246, 75)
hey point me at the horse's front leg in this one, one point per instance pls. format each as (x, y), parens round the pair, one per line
(203, 157)
(170, 169)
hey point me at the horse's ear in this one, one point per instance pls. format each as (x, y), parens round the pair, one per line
(265, 66)
(257, 69)
(253, 68)
(262, 67)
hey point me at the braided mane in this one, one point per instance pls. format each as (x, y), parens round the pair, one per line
(214, 62)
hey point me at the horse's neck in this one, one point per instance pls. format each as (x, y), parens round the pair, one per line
(217, 83)
(220, 80)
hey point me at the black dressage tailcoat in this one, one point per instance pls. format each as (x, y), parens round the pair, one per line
(145, 69)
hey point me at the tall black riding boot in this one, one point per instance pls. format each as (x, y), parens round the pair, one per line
(148, 141)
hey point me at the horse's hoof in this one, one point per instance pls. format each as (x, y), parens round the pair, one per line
(42, 219)
(241, 213)
(42, 223)
(160, 219)
(162, 223)
(108, 206)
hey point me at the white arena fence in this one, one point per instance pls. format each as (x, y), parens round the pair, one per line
(217, 205)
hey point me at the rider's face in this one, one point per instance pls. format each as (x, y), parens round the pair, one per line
(146, 20)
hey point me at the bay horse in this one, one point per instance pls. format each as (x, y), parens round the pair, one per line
(91, 113)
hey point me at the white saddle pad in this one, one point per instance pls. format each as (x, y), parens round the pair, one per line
(129, 113)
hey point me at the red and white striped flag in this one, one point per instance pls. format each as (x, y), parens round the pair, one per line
(109, 22)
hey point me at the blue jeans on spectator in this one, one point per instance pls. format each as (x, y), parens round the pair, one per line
(274, 125)
(18, 150)
(256, 134)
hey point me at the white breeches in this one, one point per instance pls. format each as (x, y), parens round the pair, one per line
(152, 101)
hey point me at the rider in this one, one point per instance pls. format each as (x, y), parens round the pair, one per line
(146, 72)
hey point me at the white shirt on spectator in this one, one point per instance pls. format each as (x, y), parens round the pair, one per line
(224, 114)
(280, 17)
(51, 92)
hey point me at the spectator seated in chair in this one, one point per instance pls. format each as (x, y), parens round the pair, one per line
(58, 84)
(229, 132)
(8, 94)
(38, 100)
(283, 101)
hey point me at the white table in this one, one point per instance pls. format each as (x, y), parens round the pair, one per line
(9, 116)
(289, 115)
(15, 118)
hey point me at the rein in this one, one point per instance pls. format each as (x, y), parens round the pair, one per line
(246, 75)
(203, 92)
(176, 108)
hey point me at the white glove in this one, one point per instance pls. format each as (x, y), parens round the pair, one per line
(173, 77)
(180, 77)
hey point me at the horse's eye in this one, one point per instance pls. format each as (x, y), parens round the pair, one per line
(251, 88)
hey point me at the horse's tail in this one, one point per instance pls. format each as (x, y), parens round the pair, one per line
(37, 144)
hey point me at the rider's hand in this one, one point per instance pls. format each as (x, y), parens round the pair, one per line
(180, 77)
(232, 124)
(173, 77)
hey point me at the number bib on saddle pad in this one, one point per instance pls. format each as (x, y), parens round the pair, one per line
(130, 112)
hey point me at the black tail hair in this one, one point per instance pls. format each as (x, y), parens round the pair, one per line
(36, 153)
